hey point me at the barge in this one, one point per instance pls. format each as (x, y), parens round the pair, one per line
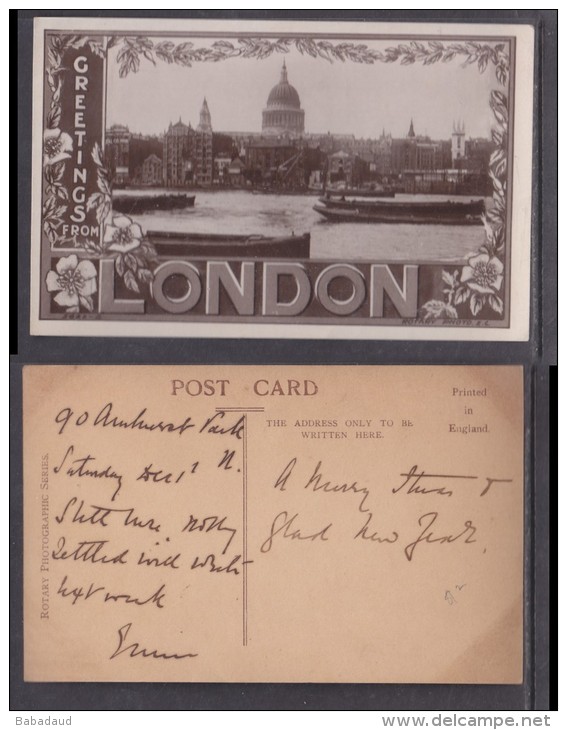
(133, 204)
(230, 246)
(419, 212)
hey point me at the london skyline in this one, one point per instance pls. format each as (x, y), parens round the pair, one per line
(340, 98)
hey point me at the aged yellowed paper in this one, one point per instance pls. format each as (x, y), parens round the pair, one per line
(273, 524)
(213, 178)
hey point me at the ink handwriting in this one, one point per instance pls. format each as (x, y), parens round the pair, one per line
(286, 527)
(134, 649)
(84, 468)
(80, 592)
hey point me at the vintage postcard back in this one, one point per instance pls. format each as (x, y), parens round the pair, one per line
(273, 524)
(281, 179)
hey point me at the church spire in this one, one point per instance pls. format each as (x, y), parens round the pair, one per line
(411, 132)
(205, 124)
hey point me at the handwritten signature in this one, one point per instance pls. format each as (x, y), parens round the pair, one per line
(135, 649)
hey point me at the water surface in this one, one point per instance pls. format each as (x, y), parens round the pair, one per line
(242, 212)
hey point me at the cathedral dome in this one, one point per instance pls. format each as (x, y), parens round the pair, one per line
(284, 95)
(283, 113)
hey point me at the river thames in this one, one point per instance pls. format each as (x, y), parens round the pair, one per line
(243, 212)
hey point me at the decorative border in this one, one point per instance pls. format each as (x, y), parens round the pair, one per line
(481, 285)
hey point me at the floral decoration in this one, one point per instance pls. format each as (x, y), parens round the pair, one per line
(435, 309)
(479, 283)
(483, 274)
(57, 146)
(123, 235)
(75, 282)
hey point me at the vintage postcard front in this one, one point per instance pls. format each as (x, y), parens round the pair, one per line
(281, 179)
(273, 524)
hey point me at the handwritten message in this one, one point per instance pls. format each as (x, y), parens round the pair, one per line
(220, 533)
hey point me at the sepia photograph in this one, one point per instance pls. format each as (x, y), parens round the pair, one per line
(404, 149)
(361, 181)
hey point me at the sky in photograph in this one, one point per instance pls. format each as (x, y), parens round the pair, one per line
(341, 98)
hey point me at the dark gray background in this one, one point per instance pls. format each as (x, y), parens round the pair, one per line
(537, 356)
